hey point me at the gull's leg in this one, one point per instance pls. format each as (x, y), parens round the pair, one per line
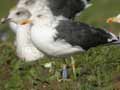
(64, 72)
(73, 67)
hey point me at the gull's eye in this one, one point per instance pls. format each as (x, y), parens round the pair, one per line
(18, 13)
(39, 16)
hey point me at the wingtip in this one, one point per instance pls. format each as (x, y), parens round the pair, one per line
(88, 5)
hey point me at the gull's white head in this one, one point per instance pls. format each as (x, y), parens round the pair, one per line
(114, 19)
(18, 16)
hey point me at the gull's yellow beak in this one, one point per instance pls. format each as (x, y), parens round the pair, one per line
(4, 20)
(113, 19)
(26, 21)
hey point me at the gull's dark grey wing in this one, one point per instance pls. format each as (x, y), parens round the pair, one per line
(80, 34)
(67, 8)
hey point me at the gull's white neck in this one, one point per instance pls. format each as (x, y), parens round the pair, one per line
(22, 35)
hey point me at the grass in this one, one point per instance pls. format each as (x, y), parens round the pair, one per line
(96, 69)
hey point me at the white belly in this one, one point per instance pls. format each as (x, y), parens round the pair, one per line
(43, 38)
(29, 53)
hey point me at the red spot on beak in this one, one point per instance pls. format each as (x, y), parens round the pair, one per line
(110, 20)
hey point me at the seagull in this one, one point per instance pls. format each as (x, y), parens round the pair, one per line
(59, 36)
(114, 19)
(24, 47)
(62, 36)
(30, 6)
(35, 6)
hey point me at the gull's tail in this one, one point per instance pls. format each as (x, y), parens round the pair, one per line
(115, 40)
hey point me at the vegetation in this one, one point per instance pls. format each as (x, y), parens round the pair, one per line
(96, 69)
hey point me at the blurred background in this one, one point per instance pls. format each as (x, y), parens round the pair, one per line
(5, 33)
(95, 15)
(97, 69)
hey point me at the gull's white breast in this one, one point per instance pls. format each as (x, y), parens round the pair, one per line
(43, 37)
(25, 48)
